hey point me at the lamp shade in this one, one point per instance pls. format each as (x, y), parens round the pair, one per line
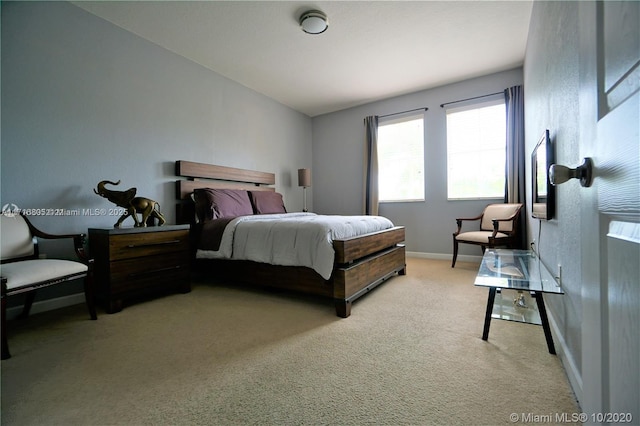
(304, 177)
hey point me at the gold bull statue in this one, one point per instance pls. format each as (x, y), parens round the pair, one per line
(132, 204)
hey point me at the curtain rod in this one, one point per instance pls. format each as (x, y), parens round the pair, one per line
(402, 112)
(469, 99)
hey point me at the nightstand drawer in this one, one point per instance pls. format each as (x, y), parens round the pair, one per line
(129, 246)
(144, 272)
(131, 269)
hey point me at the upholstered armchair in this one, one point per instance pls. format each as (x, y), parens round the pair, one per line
(23, 271)
(499, 227)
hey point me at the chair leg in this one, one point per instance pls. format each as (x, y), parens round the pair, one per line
(28, 302)
(455, 252)
(5, 345)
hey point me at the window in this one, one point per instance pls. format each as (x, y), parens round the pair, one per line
(476, 150)
(401, 159)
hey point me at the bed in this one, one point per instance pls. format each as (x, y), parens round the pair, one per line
(361, 259)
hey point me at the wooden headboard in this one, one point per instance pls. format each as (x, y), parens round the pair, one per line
(201, 175)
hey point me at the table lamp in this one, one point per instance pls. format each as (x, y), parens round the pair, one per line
(304, 180)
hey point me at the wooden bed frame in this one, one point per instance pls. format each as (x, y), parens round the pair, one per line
(361, 263)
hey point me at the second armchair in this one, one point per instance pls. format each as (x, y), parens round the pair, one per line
(499, 227)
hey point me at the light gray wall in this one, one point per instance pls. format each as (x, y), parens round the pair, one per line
(551, 75)
(338, 158)
(84, 100)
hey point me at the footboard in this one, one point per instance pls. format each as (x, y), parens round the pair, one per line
(351, 249)
(363, 263)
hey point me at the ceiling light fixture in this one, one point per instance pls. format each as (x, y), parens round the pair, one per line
(314, 22)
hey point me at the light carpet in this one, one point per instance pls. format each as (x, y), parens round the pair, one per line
(410, 354)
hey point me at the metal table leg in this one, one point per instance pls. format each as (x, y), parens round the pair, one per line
(487, 317)
(545, 321)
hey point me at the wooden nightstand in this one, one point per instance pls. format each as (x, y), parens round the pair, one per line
(132, 261)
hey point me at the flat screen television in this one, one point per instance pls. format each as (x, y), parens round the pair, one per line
(543, 193)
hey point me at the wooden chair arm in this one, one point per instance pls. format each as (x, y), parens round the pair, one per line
(469, 218)
(40, 234)
(459, 222)
(78, 240)
(496, 223)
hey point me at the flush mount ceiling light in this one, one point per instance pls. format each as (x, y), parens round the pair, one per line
(314, 22)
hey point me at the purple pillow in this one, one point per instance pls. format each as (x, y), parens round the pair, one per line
(266, 202)
(214, 203)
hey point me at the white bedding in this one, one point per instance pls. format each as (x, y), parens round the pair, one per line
(291, 239)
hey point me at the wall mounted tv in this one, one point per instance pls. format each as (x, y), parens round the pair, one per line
(543, 193)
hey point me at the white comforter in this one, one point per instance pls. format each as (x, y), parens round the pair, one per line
(291, 239)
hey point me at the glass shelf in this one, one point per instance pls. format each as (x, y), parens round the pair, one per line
(515, 269)
(506, 307)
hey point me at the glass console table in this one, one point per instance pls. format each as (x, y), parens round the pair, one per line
(521, 270)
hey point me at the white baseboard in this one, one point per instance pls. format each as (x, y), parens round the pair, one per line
(566, 358)
(444, 256)
(48, 305)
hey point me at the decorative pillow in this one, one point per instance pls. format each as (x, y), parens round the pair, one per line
(266, 202)
(214, 203)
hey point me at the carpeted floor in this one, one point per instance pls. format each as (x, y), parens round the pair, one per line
(410, 354)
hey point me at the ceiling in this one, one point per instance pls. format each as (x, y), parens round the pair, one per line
(372, 50)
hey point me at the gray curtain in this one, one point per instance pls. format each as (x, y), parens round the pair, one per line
(371, 165)
(515, 186)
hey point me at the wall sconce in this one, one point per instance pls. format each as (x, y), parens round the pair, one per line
(560, 174)
(304, 180)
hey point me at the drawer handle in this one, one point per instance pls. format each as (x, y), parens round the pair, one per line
(154, 244)
(155, 271)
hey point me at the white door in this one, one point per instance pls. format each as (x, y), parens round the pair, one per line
(609, 122)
